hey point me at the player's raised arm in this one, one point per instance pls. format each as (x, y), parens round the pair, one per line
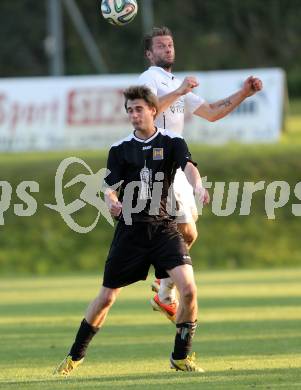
(165, 101)
(221, 108)
(187, 86)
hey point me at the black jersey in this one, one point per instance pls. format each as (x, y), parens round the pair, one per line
(147, 162)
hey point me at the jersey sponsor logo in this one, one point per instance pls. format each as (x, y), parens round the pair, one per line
(158, 154)
(164, 83)
(178, 107)
(146, 147)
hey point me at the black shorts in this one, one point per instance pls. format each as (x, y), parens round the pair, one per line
(136, 247)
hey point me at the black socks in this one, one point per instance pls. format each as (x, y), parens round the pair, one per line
(84, 335)
(182, 348)
(183, 340)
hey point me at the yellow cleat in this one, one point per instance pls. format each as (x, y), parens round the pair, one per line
(67, 365)
(187, 364)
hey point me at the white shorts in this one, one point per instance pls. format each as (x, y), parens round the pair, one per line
(187, 210)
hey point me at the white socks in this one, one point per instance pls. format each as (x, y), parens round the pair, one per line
(167, 291)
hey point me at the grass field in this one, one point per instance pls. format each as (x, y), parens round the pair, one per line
(249, 334)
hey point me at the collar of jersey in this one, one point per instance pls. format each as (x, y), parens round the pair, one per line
(159, 69)
(145, 141)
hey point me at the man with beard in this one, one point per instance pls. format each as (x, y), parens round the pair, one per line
(175, 96)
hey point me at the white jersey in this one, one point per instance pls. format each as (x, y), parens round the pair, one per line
(161, 83)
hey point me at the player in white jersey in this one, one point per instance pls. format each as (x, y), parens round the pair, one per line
(175, 96)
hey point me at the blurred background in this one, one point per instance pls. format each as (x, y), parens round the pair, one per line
(43, 41)
(209, 35)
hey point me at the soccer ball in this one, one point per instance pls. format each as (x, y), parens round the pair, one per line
(119, 12)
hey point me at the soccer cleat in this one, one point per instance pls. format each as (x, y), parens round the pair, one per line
(169, 310)
(67, 366)
(155, 285)
(187, 364)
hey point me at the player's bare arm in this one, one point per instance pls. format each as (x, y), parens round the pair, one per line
(113, 203)
(187, 86)
(194, 178)
(221, 108)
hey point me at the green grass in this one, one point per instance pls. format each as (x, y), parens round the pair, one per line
(249, 334)
(292, 130)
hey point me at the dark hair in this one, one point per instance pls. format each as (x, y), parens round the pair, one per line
(141, 92)
(156, 32)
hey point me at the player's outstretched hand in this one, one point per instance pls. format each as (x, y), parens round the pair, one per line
(251, 86)
(187, 85)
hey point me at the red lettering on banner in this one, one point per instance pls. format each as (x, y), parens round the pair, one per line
(95, 106)
(15, 113)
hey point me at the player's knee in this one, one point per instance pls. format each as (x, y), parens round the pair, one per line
(189, 293)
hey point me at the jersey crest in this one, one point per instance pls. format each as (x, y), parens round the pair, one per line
(158, 154)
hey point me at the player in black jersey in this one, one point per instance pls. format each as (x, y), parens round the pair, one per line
(144, 164)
